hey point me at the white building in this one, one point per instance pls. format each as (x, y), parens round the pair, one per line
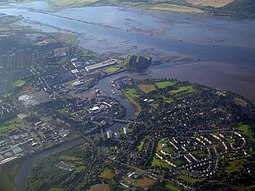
(125, 129)
(109, 134)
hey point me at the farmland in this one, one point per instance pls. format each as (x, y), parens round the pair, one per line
(213, 3)
(76, 3)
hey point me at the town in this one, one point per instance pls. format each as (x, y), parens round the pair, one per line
(47, 72)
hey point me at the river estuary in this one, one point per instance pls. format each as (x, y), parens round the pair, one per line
(207, 45)
(216, 52)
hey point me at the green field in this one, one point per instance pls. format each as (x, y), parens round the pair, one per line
(111, 70)
(182, 91)
(139, 172)
(167, 99)
(158, 162)
(168, 149)
(200, 153)
(189, 179)
(20, 83)
(171, 187)
(140, 147)
(74, 3)
(160, 143)
(131, 94)
(213, 3)
(13, 124)
(165, 7)
(71, 159)
(234, 166)
(164, 84)
(246, 130)
(107, 173)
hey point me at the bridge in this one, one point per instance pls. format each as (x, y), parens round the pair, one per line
(125, 121)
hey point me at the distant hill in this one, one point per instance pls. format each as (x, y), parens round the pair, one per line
(233, 8)
(241, 8)
(212, 3)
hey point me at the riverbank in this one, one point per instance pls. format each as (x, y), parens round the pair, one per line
(226, 8)
(23, 171)
(7, 175)
(151, 7)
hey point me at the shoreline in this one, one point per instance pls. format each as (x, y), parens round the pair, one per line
(212, 74)
(27, 163)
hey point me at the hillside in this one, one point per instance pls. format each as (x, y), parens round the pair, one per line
(233, 8)
(242, 8)
(213, 3)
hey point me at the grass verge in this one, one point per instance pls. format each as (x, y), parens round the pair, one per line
(189, 179)
(20, 83)
(131, 94)
(10, 125)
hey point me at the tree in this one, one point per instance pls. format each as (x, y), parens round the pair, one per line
(137, 63)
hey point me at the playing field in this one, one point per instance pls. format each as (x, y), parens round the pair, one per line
(145, 182)
(146, 87)
(100, 187)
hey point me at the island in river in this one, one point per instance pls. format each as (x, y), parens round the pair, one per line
(55, 92)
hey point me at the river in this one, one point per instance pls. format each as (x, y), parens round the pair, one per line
(124, 31)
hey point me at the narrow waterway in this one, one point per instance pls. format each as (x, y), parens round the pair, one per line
(20, 178)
